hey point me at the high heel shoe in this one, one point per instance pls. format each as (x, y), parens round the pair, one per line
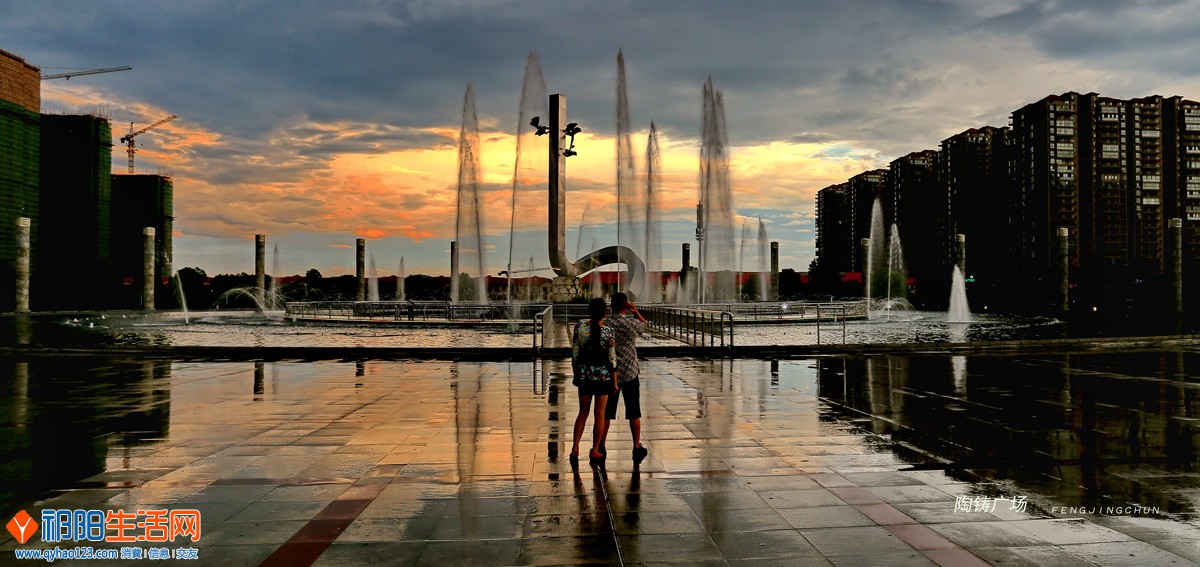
(574, 460)
(596, 461)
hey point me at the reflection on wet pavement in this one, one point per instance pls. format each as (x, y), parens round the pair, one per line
(897, 460)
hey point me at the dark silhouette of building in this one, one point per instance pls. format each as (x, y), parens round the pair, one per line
(861, 192)
(1110, 171)
(140, 201)
(972, 171)
(916, 203)
(834, 241)
(20, 135)
(1181, 177)
(76, 181)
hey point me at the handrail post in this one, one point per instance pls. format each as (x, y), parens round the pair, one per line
(818, 323)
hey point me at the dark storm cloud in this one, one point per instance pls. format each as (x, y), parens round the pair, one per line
(853, 71)
(1154, 29)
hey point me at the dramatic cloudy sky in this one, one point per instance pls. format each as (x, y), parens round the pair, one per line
(318, 122)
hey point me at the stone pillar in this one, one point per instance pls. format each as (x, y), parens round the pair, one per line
(1174, 254)
(454, 271)
(685, 274)
(260, 270)
(360, 268)
(865, 266)
(960, 253)
(22, 284)
(774, 271)
(1064, 268)
(148, 274)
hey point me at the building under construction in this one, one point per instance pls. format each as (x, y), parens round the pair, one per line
(20, 132)
(86, 223)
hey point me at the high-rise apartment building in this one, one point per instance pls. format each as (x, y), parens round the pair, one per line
(1110, 171)
(1047, 138)
(20, 134)
(1145, 119)
(76, 183)
(914, 202)
(138, 202)
(972, 170)
(834, 241)
(1181, 176)
(861, 192)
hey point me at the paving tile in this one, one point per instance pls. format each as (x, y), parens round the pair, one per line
(471, 552)
(800, 498)
(1070, 530)
(564, 525)
(464, 463)
(350, 554)
(569, 550)
(940, 513)
(668, 548)
(884, 514)
(657, 523)
(221, 555)
(955, 558)
(825, 517)
(987, 534)
(389, 529)
(766, 544)
(1130, 553)
(920, 537)
(239, 533)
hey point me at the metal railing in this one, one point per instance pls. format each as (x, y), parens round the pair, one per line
(697, 327)
(786, 311)
(834, 312)
(539, 327)
(405, 311)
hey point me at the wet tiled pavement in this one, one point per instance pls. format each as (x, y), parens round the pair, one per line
(755, 462)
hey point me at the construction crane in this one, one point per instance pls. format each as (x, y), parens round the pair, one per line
(70, 74)
(128, 138)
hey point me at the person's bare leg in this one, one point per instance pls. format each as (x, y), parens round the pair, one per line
(607, 424)
(585, 403)
(635, 427)
(598, 428)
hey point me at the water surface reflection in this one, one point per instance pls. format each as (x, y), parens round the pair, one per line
(1103, 429)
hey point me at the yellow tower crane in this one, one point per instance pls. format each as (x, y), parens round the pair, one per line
(127, 139)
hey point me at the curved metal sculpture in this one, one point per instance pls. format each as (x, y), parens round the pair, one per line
(557, 225)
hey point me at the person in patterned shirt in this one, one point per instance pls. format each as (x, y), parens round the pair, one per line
(593, 362)
(627, 324)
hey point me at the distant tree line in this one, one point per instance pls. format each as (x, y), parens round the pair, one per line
(236, 291)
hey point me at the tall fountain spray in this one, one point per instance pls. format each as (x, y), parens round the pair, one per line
(754, 257)
(874, 250)
(468, 225)
(742, 252)
(182, 297)
(653, 240)
(400, 295)
(372, 280)
(597, 289)
(630, 207)
(526, 232)
(272, 299)
(715, 212)
(897, 282)
(886, 277)
(960, 311)
(764, 262)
